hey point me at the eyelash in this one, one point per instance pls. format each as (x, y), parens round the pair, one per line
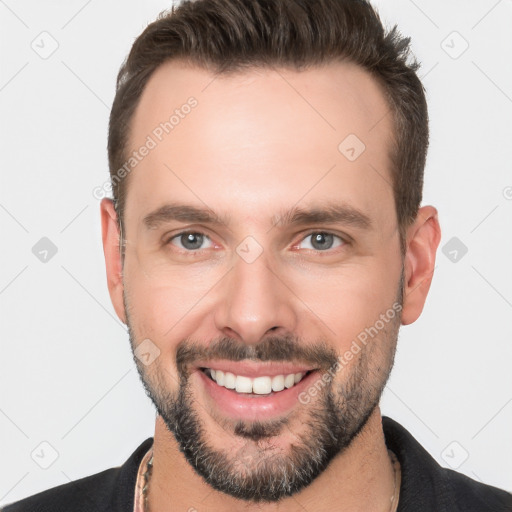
(344, 240)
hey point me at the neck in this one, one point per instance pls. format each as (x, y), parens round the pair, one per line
(359, 479)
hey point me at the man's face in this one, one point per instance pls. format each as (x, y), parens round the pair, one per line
(297, 271)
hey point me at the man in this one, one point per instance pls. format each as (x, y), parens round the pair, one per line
(264, 245)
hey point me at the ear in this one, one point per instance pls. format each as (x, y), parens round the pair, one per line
(111, 249)
(422, 241)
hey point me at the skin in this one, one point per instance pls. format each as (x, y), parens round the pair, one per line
(257, 144)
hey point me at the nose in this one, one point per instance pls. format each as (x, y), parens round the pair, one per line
(254, 301)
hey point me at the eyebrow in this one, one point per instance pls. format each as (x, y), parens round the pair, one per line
(329, 213)
(182, 213)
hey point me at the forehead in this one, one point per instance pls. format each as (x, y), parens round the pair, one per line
(260, 138)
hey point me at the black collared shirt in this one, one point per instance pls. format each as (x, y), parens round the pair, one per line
(425, 485)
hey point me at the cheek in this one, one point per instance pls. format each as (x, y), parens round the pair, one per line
(349, 301)
(155, 314)
(164, 307)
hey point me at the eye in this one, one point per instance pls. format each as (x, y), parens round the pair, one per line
(190, 241)
(321, 241)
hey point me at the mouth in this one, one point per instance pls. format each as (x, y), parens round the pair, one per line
(255, 393)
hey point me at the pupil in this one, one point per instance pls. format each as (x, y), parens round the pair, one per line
(322, 241)
(192, 240)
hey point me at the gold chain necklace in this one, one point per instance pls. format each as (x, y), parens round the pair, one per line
(397, 476)
(147, 476)
(394, 498)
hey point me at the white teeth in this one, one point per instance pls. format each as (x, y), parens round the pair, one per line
(278, 383)
(289, 380)
(259, 385)
(262, 385)
(243, 384)
(229, 380)
(219, 377)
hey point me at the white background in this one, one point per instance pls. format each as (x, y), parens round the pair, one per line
(66, 371)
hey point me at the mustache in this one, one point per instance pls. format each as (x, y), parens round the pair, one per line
(273, 348)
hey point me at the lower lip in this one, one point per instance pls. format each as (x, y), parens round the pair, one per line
(253, 407)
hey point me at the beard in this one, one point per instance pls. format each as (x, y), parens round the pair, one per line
(258, 471)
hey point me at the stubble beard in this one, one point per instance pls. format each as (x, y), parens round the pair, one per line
(258, 472)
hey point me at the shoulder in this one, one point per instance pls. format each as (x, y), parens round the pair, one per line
(109, 490)
(427, 486)
(471, 495)
(87, 493)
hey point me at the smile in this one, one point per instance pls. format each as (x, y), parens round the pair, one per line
(253, 392)
(262, 385)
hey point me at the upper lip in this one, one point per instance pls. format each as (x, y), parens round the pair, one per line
(252, 369)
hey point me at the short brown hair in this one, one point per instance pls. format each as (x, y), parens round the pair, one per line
(227, 36)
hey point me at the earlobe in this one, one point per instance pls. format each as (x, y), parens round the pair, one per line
(111, 250)
(423, 238)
